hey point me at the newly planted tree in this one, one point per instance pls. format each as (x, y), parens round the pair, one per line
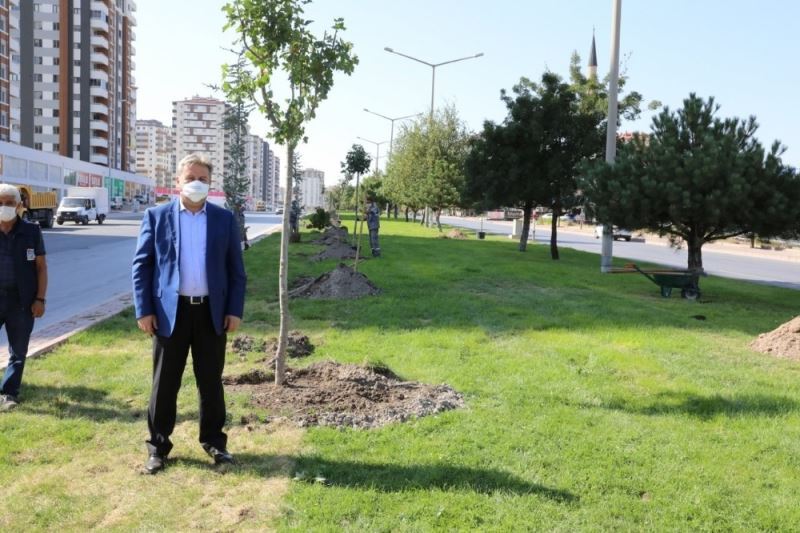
(278, 43)
(697, 178)
(355, 163)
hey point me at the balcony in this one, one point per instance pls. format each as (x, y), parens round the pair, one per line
(101, 6)
(98, 23)
(99, 159)
(99, 125)
(99, 74)
(101, 92)
(99, 107)
(99, 142)
(101, 41)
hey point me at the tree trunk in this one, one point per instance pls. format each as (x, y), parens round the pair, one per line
(283, 275)
(526, 227)
(554, 233)
(395, 212)
(424, 214)
(406, 214)
(388, 209)
(695, 249)
(355, 222)
(438, 221)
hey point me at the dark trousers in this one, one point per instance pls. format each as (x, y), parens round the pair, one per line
(18, 321)
(193, 329)
(373, 242)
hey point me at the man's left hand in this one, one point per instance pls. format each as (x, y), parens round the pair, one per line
(232, 323)
(37, 309)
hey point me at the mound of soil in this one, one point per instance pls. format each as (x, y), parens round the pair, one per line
(336, 250)
(340, 283)
(455, 234)
(783, 341)
(332, 235)
(298, 345)
(253, 377)
(341, 395)
(242, 344)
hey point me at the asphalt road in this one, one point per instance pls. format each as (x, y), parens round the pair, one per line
(777, 272)
(90, 265)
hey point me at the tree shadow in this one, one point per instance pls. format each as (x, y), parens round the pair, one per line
(387, 477)
(78, 401)
(705, 407)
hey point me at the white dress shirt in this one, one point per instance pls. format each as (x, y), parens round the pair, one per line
(192, 258)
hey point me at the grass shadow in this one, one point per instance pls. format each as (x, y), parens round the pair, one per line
(77, 401)
(706, 406)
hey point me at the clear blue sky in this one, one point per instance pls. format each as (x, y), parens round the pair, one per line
(744, 53)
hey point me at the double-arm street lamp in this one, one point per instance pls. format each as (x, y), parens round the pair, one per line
(392, 120)
(433, 67)
(377, 148)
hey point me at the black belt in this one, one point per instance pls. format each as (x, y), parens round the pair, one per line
(194, 300)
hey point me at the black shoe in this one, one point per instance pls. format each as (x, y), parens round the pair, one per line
(221, 457)
(155, 463)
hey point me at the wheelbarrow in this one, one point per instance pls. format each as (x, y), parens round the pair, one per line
(667, 279)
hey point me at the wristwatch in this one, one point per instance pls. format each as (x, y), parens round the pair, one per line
(41, 300)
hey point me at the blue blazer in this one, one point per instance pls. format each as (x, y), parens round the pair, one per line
(156, 270)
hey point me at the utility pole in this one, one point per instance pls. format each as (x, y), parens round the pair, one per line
(611, 133)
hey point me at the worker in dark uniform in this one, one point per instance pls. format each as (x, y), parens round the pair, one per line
(373, 215)
(23, 285)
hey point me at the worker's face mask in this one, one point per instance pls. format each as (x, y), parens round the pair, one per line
(196, 190)
(7, 213)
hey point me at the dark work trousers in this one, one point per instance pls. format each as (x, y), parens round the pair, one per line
(193, 329)
(18, 321)
(373, 242)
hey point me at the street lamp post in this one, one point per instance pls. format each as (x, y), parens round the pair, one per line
(433, 86)
(392, 120)
(611, 133)
(433, 67)
(377, 148)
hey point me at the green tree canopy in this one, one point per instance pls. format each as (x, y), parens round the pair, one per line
(697, 178)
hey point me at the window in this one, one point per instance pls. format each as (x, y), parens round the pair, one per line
(55, 78)
(36, 7)
(37, 77)
(56, 129)
(37, 129)
(56, 113)
(37, 111)
(56, 96)
(57, 26)
(3, 119)
(38, 60)
(54, 8)
(76, 11)
(37, 24)
(56, 61)
(37, 146)
(37, 43)
(76, 114)
(37, 95)
(56, 147)
(56, 43)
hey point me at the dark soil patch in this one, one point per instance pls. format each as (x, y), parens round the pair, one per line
(342, 395)
(341, 283)
(783, 341)
(298, 345)
(337, 250)
(242, 344)
(253, 377)
(300, 282)
(332, 235)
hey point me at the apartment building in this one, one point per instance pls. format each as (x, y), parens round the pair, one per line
(197, 123)
(71, 88)
(5, 73)
(312, 185)
(254, 152)
(155, 152)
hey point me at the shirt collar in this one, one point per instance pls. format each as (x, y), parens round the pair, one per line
(183, 207)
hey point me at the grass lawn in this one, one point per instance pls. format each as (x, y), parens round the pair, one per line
(592, 404)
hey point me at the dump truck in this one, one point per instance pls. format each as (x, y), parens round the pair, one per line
(37, 206)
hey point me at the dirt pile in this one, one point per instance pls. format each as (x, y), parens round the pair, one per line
(342, 395)
(336, 250)
(298, 345)
(783, 341)
(340, 283)
(253, 377)
(332, 235)
(242, 344)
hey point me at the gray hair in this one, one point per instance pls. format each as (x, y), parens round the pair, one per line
(10, 190)
(195, 159)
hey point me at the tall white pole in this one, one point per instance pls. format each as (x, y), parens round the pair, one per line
(611, 134)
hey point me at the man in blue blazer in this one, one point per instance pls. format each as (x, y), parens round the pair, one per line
(188, 287)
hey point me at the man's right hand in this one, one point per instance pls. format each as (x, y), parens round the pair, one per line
(148, 324)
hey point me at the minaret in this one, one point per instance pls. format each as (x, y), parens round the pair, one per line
(593, 60)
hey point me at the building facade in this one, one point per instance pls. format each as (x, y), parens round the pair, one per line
(71, 83)
(312, 186)
(197, 123)
(255, 167)
(155, 152)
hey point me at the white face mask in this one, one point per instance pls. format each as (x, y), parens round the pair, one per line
(196, 190)
(7, 213)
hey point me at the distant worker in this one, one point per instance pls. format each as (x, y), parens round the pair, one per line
(373, 224)
(23, 285)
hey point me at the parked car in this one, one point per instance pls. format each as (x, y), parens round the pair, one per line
(618, 233)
